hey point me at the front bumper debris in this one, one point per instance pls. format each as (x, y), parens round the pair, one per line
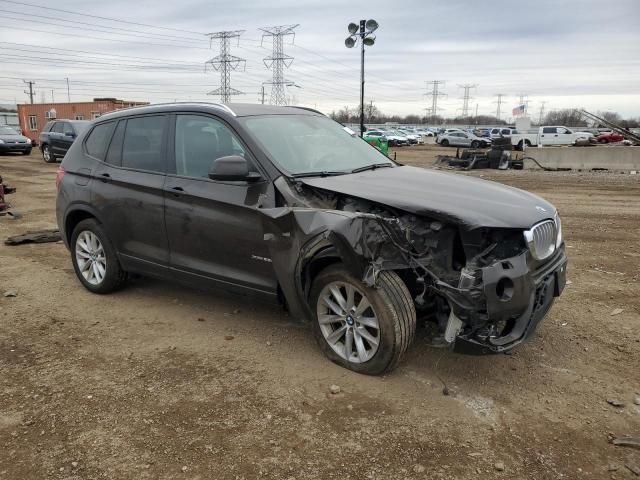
(517, 299)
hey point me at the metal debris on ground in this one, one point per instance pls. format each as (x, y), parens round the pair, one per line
(499, 156)
(633, 442)
(5, 190)
(41, 236)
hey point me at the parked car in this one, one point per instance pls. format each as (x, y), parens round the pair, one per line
(285, 204)
(462, 139)
(11, 141)
(57, 136)
(413, 138)
(609, 137)
(547, 136)
(396, 139)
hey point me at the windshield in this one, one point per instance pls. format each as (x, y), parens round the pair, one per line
(81, 125)
(7, 131)
(302, 144)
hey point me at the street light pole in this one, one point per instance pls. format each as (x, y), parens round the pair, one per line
(365, 33)
(362, 22)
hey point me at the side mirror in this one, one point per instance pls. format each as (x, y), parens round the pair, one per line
(232, 168)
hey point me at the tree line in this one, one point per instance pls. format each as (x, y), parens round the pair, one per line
(568, 116)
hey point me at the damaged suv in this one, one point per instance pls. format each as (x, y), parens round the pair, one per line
(286, 204)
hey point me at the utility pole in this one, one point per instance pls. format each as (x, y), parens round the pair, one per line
(541, 116)
(262, 94)
(30, 92)
(466, 98)
(476, 113)
(68, 91)
(278, 61)
(53, 100)
(499, 102)
(435, 93)
(225, 63)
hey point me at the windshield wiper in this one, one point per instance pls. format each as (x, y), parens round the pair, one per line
(325, 173)
(371, 167)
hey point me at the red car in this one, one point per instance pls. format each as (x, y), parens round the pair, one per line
(609, 137)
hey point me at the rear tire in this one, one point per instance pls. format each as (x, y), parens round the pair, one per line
(47, 155)
(389, 320)
(90, 245)
(475, 144)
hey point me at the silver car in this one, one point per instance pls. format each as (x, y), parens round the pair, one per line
(463, 139)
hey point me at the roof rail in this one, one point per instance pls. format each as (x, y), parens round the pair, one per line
(221, 106)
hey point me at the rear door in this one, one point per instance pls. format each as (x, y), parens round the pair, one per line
(55, 138)
(214, 227)
(128, 192)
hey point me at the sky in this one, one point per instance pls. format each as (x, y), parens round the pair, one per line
(568, 54)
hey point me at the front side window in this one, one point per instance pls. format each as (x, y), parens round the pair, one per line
(302, 144)
(142, 146)
(199, 141)
(33, 122)
(549, 130)
(98, 140)
(57, 127)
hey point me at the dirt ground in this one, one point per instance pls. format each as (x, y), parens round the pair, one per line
(161, 382)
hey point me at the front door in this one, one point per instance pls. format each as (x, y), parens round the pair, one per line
(214, 227)
(128, 192)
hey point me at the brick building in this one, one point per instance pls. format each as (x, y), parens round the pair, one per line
(33, 116)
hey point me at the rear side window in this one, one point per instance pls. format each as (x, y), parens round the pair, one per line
(98, 140)
(114, 154)
(142, 146)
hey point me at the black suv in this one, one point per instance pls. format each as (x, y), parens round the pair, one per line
(57, 136)
(286, 204)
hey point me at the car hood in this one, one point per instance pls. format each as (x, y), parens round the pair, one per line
(466, 201)
(12, 138)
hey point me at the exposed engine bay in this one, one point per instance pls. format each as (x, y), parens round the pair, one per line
(479, 286)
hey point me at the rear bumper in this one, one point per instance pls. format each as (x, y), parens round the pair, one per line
(538, 289)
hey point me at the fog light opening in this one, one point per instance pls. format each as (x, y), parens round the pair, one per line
(504, 289)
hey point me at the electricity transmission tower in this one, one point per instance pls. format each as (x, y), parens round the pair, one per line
(278, 61)
(225, 63)
(435, 93)
(466, 98)
(499, 102)
(523, 100)
(541, 116)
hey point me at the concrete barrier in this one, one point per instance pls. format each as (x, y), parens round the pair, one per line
(585, 158)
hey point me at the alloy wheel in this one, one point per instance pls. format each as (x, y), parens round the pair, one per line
(46, 154)
(348, 322)
(90, 257)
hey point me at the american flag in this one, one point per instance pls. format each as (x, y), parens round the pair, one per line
(519, 110)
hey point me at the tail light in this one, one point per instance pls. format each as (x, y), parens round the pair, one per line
(59, 175)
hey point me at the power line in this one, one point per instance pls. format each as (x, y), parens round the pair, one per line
(435, 93)
(225, 63)
(111, 19)
(278, 61)
(465, 98)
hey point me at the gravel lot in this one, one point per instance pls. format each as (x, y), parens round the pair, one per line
(161, 382)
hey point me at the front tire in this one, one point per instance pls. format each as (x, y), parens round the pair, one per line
(26, 152)
(444, 143)
(94, 259)
(364, 329)
(47, 154)
(475, 144)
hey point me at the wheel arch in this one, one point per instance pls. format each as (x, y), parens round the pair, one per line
(75, 215)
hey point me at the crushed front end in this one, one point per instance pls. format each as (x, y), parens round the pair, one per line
(484, 289)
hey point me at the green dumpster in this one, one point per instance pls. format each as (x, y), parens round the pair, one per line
(381, 145)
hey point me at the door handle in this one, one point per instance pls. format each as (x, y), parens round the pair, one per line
(177, 191)
(105, 177)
